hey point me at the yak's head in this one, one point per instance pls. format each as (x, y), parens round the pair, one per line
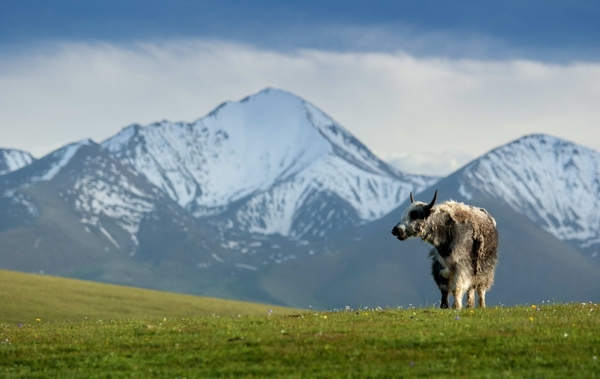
(413, 218)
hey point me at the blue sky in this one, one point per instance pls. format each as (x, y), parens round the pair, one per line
(535, 29)
(473, 73)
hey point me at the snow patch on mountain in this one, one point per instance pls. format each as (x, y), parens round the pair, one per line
(60, 158)
(552, 181)
(18, 198)
(109, 193)
(464, 193)
(12, 160)
(95, 185)
(370, 195)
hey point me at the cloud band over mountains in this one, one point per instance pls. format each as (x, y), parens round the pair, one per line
(398, 104)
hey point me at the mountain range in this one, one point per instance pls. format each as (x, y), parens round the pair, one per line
(269, 199)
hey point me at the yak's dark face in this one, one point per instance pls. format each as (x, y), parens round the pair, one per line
(413, 219)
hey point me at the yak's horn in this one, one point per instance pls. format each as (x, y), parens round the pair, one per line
(430, 205)
(412, 199)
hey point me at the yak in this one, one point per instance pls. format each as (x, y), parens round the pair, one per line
(465, 244)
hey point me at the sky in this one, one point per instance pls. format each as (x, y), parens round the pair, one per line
(426, 85)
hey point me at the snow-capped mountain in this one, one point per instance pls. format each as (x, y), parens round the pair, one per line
(94, 185)
(80, 212)
(555, 183)
(248, 185)
(241, 203)
(12, 160)
(262, 162)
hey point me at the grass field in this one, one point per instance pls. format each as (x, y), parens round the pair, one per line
(27, 297)
(539, 341)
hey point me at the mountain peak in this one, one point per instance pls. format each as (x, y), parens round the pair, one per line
(237, 149)
(552, 181)
(272, 92)
(12, 160)
(247, 148)
(534, 138)
(47, 167)
(62, 157)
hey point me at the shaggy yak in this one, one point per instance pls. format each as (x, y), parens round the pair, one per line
(465, 242)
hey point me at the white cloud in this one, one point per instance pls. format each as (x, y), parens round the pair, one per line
(437, 163)
(414, 110)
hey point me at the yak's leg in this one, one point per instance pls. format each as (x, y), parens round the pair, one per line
(444, 302)
(471, 298)
(458, 293)
(460, 283)
(481, 294)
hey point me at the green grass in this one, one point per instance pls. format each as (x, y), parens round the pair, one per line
(543, 341)
(26, 297)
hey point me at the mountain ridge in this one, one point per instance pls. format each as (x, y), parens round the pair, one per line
(269, 199)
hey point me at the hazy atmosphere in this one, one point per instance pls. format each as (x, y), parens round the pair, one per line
(425, 85)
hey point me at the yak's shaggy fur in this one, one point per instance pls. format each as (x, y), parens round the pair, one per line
(465, 242)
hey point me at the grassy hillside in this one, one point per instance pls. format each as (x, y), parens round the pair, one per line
(27, 297)
(540, 341)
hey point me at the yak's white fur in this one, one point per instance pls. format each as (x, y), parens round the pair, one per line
(465, 242)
